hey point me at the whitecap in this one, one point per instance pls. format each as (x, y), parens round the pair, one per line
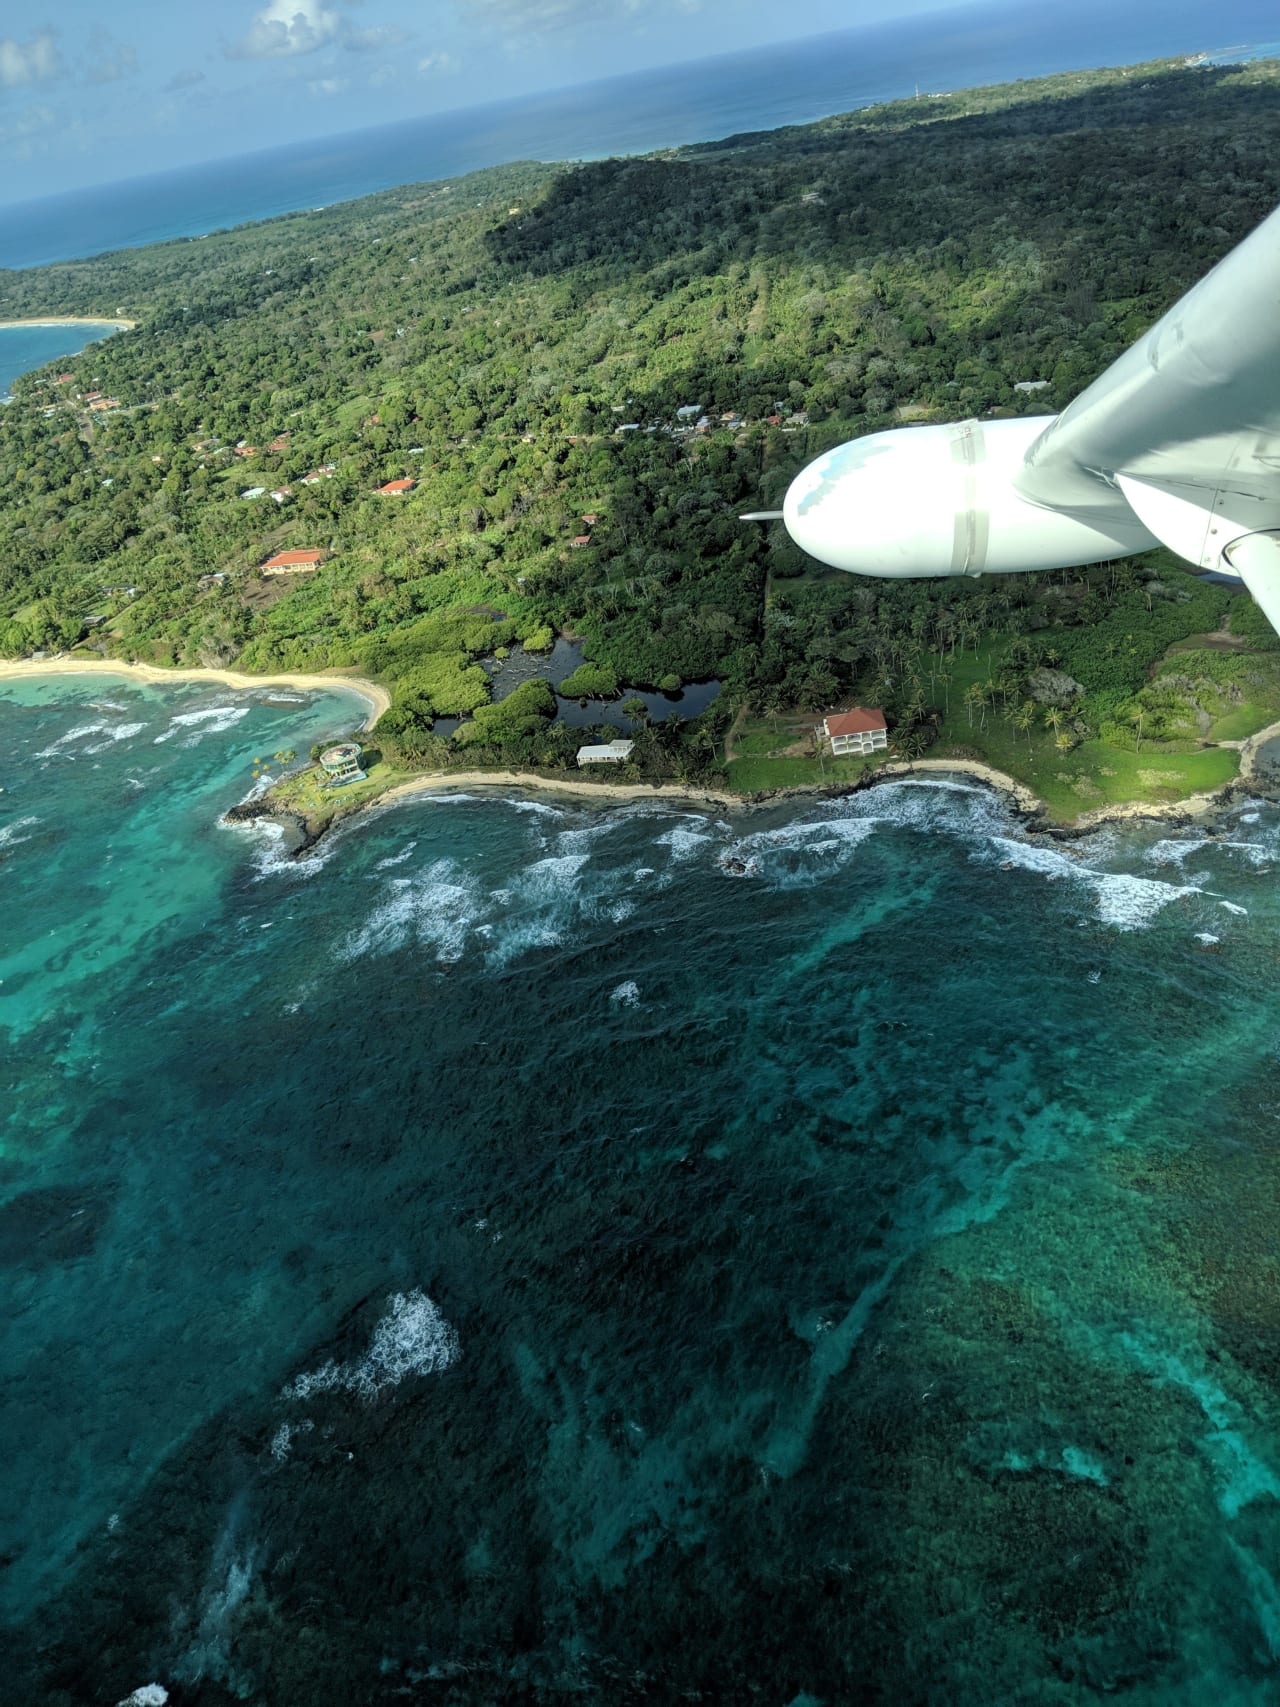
(396, 859)
(77, 734)
(413, 1338)
(9, 837)
(197, 724)
(1123, 900)
(1233, 908)
(146, 1695)
(116, 733)
(684, 841)
(553, 877)
(272, 854)
(795, 855)
(1257, 853)
(626, 994)
(1174, 849)
(436, 909)
(1130, 903)
(1207, 937)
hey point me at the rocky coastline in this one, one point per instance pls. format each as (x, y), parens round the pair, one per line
(1256, 777)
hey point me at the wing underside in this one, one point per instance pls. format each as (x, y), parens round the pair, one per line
(1185, 426)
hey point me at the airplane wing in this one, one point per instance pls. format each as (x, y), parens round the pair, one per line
(1186, 425)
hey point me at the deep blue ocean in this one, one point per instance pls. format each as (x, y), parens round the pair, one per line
(788, 83)
(533, 1251)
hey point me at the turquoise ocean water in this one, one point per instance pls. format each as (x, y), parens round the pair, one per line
(25, 348)
(532, 1251)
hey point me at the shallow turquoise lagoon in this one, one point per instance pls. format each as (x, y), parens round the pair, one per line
(530, 1252)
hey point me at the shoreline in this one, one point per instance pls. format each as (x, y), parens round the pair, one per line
(379, 700)
(52, 320)
(1023, 799)
(432, 782)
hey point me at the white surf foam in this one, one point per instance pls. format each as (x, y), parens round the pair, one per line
(1232, 907)
(685, 840)
(1124, 901)
(196, 724)
(797, 854)
(9, 837)
(413, 1338)
(1173, 850)
(1130, 903)
(79, 733)
(396, 859)
(626, 994)
(117, 732)
(436, 909)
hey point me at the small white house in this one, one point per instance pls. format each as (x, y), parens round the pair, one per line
(857, 731)
(611, 753)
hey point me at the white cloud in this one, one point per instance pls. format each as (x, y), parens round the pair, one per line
(28, 123)
(370, 40)
(327, 85)
(25, 133)
(287, 27)
(110, 60)
(36, 62)
(183, 80)
(443, 64)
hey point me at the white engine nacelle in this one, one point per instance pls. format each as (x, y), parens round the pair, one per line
(926, 501)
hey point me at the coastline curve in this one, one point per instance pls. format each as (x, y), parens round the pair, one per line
(376, 696)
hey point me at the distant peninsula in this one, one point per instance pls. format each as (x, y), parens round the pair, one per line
(432, 441)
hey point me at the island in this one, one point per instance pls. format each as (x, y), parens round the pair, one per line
(482, 445)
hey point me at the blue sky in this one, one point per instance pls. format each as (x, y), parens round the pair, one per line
(92, 94)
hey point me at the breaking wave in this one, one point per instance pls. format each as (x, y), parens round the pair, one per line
(413, 1338)
(9, 837)
(1123, 900)
(196, 724)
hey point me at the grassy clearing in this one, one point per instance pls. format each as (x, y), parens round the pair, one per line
(751, 773)
(778, 752)
(303, 793)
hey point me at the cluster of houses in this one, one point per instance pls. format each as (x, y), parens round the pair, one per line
(693, 420)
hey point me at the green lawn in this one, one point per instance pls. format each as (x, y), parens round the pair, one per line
(753, 772)
(1090, 775)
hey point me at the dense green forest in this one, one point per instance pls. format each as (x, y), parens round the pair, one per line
(627, 353)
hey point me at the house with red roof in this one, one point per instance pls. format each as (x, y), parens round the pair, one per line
(397, 488)
(862, 730)
(293, 562)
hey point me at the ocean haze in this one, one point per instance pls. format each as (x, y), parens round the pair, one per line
(792, 83)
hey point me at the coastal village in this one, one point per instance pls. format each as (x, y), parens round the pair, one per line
(460, 447)
(842, 744)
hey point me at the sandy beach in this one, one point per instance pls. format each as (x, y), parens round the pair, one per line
(69, 320)
(606, 793)
(378, 698)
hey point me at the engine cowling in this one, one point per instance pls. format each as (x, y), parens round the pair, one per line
(941, 500)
